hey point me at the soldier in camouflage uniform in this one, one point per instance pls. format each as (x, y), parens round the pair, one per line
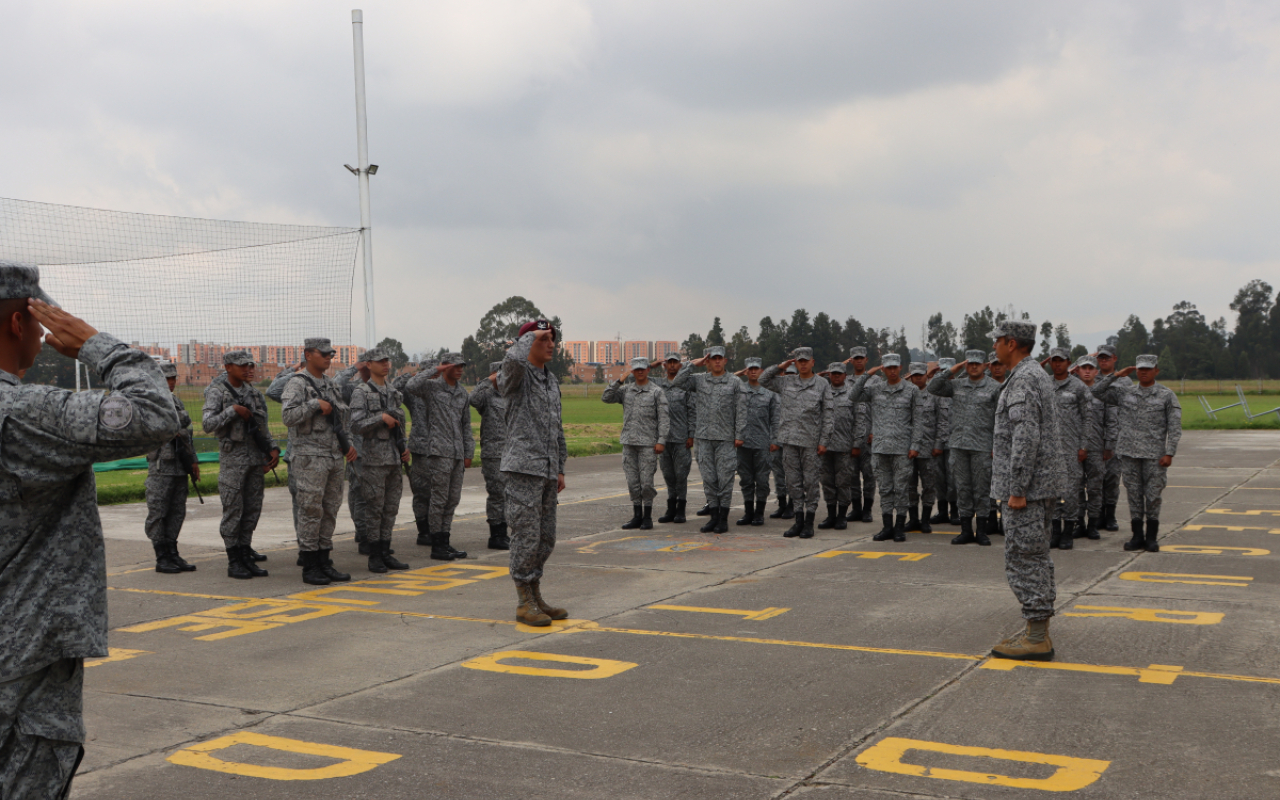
(677, 456)
(419, 474)
(493, 431)
(1150, 430)
(167, 486)
(757, 421)
(716, 393)
(947, 513)
(973, 419)
(896, 433)
(837, 463)
(533, 464)
(53, 572)
(1111, 462)
(1073, 401)
(450, 448)
(231, 405)
(275, 391)
(777, 464)
(317, 420)
(1086, 369)
(646, 427)
(998, 373)
(806, 421)
(924, 472)
(346, 382)
(377, 427)
(862, 492)
(1027, 479)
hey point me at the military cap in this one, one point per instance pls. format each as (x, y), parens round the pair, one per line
(495, 366)
(1060, 352)
(1147, 361)
(673, 356)
(168, 369)
(917, 368)
(1087, 361)
(802, 354)
(537, 325)
(976, 356)
(991, 357)
(946, 363)
(239, 357)
(836, 366)
(20, 281)
(890, 360)
(453, 360)
(791, 370)
(1107, 350)
(858, 352)
(715, 350)
(318, 343)
(639, 362)
(1014, 329)
(375, 354)
(754, 362)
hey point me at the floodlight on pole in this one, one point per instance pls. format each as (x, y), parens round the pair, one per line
(362, 173)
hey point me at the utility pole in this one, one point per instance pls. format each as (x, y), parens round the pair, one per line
(364, 170)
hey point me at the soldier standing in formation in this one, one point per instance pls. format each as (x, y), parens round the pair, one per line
(806, 420)
(1073, 401)
(645, 428)
(167, 486)
(677, 456)
(777, 464)
(862, 492)
(1150, 430)
(923, 466)
(1111, 462)
(236, 414)
(533, 464)
(896, 432)
(493, 432)
(317, 420)
(1095, 432)
(1027, 478)
(450, 447)
(346, 382)
(757, 420)
(973, 419)
(837, 462)
(946, 487)
(419, 473)
(377, 422)
(716, 393)
(53, 571)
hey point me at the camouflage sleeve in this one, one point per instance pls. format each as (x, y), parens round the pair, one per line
(740, 426)
(1025, 413)
(562, 450)
(468, 436)
(423, 384)
(769, 378)
(941, 384)
(296, 406)
(775, 415)
(345, 384)
(514, 364)
(479, 399)
(276, 390)
(1104, 391)
(613, 394)
(1081, 408)
(924, 424)
(827, 410)
(259, 410)
(217, 413)
(685, 379)
(364, 421)
(664, 416)
(944, 425)
(691, 404)
(1173, 421)
(1110, 427)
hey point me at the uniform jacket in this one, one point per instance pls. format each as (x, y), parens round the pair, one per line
(717, 402)
(1095, 424)
(973, 408)
(682, 409)
(310, 432)
(448, 428)
(758, 414)
(645, 421)
(1027, 460)
(843, 418)
(929, 410)
(896, 428)
(417, 407)
(535, 429)
(1150, 418)
(493, 418)
(861, 417)
(1072, 397)
(807, 416)
(373, 439)
(944, 422)
(219, 418)
(1111, 434)
(164, 459)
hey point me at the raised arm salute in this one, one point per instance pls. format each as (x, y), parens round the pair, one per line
(645, 426)
(716, 394)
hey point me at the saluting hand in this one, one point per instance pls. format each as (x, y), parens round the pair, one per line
(1126, 372)
(67, 334)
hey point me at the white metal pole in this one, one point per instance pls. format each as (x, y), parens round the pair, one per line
(362, 143)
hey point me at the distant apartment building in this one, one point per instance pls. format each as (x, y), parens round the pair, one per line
(661, 349)
(587, 372)
(635, 349)
(579, 351)
(608, 352)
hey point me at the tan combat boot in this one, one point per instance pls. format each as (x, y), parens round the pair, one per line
(1033, 644)
(528, 611)
(550, 611)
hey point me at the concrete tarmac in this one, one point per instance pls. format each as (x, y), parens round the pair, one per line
(746, 665)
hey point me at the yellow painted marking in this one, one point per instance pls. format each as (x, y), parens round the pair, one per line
(1213, 550)
(1252, 513)
(557, 626)
(1203, 487)
(1150, 615)
(1235, 528)
(1156, 673)
(762, 614)
(406, 584)
(682, 547)
(1072, 774)
(350, 760)
(115, 654)
(590, 549)
(252, 617)
(786, 643)
(1173, 577)
(600, 667)
(873, 554)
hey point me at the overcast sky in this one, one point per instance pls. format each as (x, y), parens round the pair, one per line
(640, 167)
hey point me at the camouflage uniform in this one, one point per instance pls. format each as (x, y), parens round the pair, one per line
(1094, 467)
(1072, 397)
(806, 420)
(318, 460)
(346, 382)
(1028, 463)
(645, 423)
(837, 462)
(1150, 428)
(973, 419)
(945, 484)
(493, 421)
(275, 391)
(862, 469)
(450, 442)
(419, 475)
(896, 428)
(379, 475)
(717, 402)
(53, 572)
(758, 410)
(923, 487)
(1110, 437)
(532, 460)
(167, 483)
(677, 459)
(240, 462)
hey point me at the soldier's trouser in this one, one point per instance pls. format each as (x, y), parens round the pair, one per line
(41, 731)
(240, 488)
(971, 477)
(864, 475)
(893, 474)
(446, 491)
(293, 488)
(381, 487)
(1144, 481)
(804, 475)
(942, 475)
(1091, 488)
(495, 487)
(753, 473)
(318, 499)
(676, 461)
(1069, 508)
(355, 499)
(531, 520)
(779, 466)
(166, 507)
(1111, 480)
(836, 476)
(639, 463)
(1027, 564)
(717, 462)
(924, 474)
(420, 486)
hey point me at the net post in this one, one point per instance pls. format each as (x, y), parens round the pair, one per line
(362, 144)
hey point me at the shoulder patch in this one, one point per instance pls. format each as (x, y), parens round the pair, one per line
(115, 412)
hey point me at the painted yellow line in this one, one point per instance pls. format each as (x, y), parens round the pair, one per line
(1255, 512)
(1234, 528)
(1072, 774)
(762, 614)
(349, 760)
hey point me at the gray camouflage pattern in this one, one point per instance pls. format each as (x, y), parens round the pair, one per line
(842, 426)
(531, 518)
(753, 473)
(219, 418)
(676, 462)
(1027, 564)
(971, 475)
(896, 427)
(804, 475)
(716, 399)
(317, 498)
(836, 476)
(448, 433)
(1027, 460)
(493, 430)
(535, 431)
(163, 460)
(718, 462)
(311, 433)
(893, 474)
(758, 414)
(1144, 482)
(923, 486)
(682, 410)
(381, 486)
(639, 463)
(972, 420)
(645, 421)
(1150, 418)
(445, 477)
(807, 415)
(41, 730)
(779, 468)
(166, 484)
(371, 436)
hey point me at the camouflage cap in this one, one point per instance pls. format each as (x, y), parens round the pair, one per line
(639, 362)
(802, 354)
(890, 360)
(1087, 361)
(976, 356)
(791, 370)
(1014, 329)
(991, 357)
(168, 369)
(318, 343)
(1147, 361)
(836, 366)
(453, 360)
(754, 362)
(1107, 350)
(375, 354)
(495, 366)
(1060, 352)
(917, 368)
(946, 363)
(858, 351)
(240, 358)
(672, 356)
(20, 281)
(716, 350)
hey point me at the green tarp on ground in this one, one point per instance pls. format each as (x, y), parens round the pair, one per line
(141, 463)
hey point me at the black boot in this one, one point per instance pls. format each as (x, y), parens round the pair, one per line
(806, 530)
(367, 549)
(866, 508)
(855, 510)
(424, 535)
(164, 561)
(994, 523)
(966, 532)
(235, 565)
(391, 561)
(326, 566)
(782, 507)
(942, 517)
(1078, 531)
(458, 555)
(634, 522)
(438, 551)
(705, 511)
(311, 571)
(679, 511)
(1153, 534)
(925, 527)
(374, 549)
(247, 560)
(900, 529)
(722, 520)
(179, 560)
(1109, 517)
(913, 519)
(1068, 539)
(955, 512)
(254, 554)
(757, 519)
(980, 532)
(710, 526)
(796, 526)
(790, 511)
(748, 512)
(886, 533)
(841, 524)
(1138, 542)
(830, 522)
(498, 537)
(670, 516)
(1055, 534)
(1091, 529)
(646, 521)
